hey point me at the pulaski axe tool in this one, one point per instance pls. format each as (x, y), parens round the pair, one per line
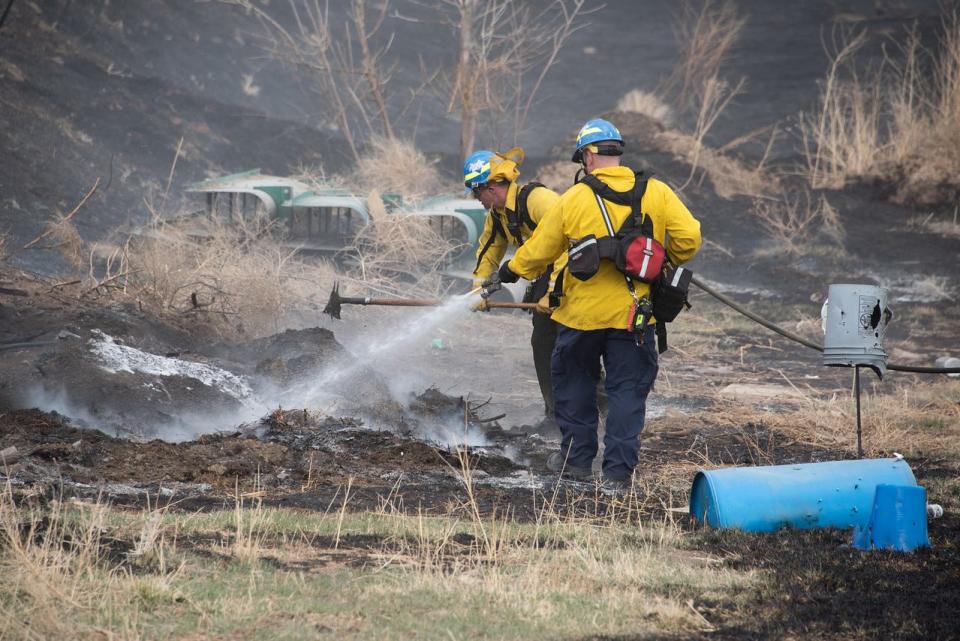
(337, 301)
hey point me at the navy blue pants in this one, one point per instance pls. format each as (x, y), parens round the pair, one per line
(630, 373)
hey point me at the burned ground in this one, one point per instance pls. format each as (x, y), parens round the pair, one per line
(100, 398)
(728, 410)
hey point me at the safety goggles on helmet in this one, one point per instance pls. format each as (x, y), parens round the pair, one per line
(600, 137)
(479, 189)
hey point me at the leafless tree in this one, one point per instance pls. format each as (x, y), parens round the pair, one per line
(346, 67)
(505, 49)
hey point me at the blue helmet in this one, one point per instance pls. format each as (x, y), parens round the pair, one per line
(597, 130)
(476, 168)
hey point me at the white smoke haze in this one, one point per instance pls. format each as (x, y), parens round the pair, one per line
(185, 426)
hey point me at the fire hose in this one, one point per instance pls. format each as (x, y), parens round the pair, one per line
(799, 339)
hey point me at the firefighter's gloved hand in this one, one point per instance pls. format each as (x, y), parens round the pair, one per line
(543, 305)
(482, 306)
(490, 285)
(506, 274)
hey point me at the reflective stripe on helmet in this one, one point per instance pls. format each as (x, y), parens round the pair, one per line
(476, 171)
(588, 130)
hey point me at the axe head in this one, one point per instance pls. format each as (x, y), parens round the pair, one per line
(334, 305)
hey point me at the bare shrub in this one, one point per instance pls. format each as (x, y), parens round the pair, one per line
(394, 165)
(796, 220)
(236, 279)
(706, 32)
(646, 103)
(66, 240)
(843, 139)
(399, 253)
(714, 98)
(505, 50)
(344, 62)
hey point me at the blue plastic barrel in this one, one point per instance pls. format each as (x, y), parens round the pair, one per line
(807, 495)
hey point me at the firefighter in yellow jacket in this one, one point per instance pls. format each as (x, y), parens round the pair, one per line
(595, 315)
(514, 213)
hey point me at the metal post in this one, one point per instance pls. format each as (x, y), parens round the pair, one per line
(856, 391)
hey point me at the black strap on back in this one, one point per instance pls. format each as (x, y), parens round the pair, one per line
(521, 216)
(631, 197)
(497, 229)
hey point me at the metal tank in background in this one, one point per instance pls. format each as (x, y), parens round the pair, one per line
(855, 319)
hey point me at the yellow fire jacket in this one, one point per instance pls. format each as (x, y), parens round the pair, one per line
(539, 202)
(604, 300)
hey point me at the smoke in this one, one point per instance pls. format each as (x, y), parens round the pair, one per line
(148, 423)
(372, 347)
(453, 435)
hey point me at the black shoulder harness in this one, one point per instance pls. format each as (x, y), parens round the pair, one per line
(497, 229)
(522, 215)
(631, 197)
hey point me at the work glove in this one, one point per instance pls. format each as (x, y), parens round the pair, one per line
(490, 285)
(543, 305)
(483, 305)
(506, 274)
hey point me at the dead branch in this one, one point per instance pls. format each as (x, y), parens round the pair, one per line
(62, 221)
(109, 280)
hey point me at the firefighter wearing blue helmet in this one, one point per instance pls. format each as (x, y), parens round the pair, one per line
(476, 170)
(597, 315)
(515, 210)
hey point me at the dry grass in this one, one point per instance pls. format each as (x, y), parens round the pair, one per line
(911, 418)
(557, 571)
(706, 32)
(57, 583)
(796, 222)
(236, 278)
(729, 176)
(646, 103)
(843, 139)
(8, 70)
(66, 240)
(900, 121)
(947, 228)
(393, 165)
